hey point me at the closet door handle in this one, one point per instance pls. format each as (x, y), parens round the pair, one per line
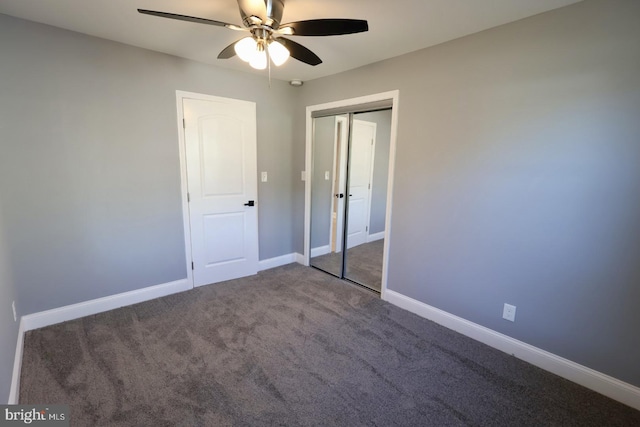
(339, 196)
(250, 203)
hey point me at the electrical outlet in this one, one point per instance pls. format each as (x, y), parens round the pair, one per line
(15, 316)
(509, 312)
(264, 177)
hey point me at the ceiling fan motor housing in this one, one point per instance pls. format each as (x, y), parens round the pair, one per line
(268, 12)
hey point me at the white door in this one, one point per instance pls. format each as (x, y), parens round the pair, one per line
(361, 156)
(220, 146)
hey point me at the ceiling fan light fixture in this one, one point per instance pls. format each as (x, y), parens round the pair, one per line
(278, 53)
(246, 49)
(262, 19)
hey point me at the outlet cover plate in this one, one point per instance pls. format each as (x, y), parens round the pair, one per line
(509, 312)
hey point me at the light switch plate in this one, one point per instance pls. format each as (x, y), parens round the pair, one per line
(263, 177)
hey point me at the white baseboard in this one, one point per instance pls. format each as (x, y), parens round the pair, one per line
(587, 377)
(281, 260)
(14, 393)
(87, 308)
(375, 236)
(277, 261)
(320, 250)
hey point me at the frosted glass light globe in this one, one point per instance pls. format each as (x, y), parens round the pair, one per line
(246, 49)
(259, 60)
(278, 53)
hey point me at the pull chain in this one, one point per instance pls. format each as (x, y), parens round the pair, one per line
(269, 64)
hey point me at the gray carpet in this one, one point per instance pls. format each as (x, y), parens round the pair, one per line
(364, 264)
(291, 346)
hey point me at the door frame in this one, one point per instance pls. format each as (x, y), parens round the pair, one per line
(352, 103)
(184, 189)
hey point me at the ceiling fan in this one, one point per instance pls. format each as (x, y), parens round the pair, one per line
(262, 19)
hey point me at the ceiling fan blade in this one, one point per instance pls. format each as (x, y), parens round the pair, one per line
(228, 52)
(300, 52)
(186, 18)
(324, 27)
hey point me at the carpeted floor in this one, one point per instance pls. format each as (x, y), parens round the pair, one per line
(364, 264)
(291, 346)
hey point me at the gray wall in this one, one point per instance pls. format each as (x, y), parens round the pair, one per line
(517, 178)
(379, 185)
(89, 166)
(8, 328)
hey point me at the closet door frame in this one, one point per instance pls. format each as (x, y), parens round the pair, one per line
(352, 105)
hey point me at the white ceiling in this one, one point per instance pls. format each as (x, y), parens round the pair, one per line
(395, 26)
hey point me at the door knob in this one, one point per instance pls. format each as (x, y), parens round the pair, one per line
(340, 196)
(250, 203)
